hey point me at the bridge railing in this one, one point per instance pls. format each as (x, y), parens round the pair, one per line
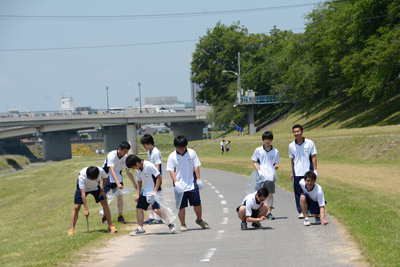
(263, 99)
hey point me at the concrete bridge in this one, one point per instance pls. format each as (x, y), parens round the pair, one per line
(57, 131)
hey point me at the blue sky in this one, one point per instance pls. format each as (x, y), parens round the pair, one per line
(35, 80)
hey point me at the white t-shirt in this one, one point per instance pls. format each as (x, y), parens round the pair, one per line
(266, 161)
(155, 157)
(302, 156)
(227, 145)
(222, 145)
(118, 163)
(316, 194)
(90, 185)
(251, 203)
(183, 166)
(146, 176)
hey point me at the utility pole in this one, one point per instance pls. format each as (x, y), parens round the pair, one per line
(140, 100)
(239, 82)
(108, 106)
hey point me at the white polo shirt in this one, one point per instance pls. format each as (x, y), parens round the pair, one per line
(118, 163)
(316, 194)
(146, 176)
(266, 159)
(155, 157)
(90, 185)
(251, 203)
(222, 145)
(302, 156)
(183, 166)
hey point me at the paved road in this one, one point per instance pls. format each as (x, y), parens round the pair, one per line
(283, 242)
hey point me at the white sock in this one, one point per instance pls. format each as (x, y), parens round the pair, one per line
(151, 214)
(140, 228)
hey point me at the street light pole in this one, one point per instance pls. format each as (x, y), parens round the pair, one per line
(140, 100)
(108, 106)
(239, 82)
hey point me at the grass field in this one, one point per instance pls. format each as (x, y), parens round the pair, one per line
(361, 181)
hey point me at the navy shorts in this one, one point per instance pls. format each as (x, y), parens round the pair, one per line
(312, 205)
(254, 213)
(96, 194)
(110, 186)
(193, 196)
(142, 204)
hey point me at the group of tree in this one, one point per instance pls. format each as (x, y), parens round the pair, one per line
(349, 49)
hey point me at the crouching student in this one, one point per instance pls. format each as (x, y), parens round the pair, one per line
(146, 172)
(253, 209)
(312, 199)
(89, 183)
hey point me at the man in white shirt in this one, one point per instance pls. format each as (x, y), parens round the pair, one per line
(113, 166)
(253, 209)
(183, 166)
(312, 199)
(154, 156)
(89, 183)
(222, 145)
(148, 179)
(302, 153)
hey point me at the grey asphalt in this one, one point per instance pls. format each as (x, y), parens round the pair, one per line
(281, 242)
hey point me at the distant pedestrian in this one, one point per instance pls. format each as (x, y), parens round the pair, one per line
(237, 129)
(302, 152)
(241, 130)
(227, 146)
(222, 145)
(265, 161)
(253, 209)
(312, 199)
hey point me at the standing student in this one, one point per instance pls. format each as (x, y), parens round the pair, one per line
(145, 174)
(113, 166)
(237, 129)
(89, 183)
(302, 153)
(222, 145)
(241, 130)
(227, 146)
(154, 156)
(253, 209)
(184, 168)
(312, 199)
(265, 160)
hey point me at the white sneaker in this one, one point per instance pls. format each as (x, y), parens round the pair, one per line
(172, 228)
(138, 232)
(306, 222)
(301, 216)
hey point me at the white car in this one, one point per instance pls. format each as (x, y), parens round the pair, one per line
(164, 110)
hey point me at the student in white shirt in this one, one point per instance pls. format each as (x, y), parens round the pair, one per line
(253, 209)
(113, 166)
(184, 168)
(154, 156)
(148, 179)
(227, 146)
(312, 199)
(89, 183)
(222, 145)
(266, 161)
(302, 153)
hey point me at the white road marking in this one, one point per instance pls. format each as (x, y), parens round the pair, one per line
(225, 210)
(212, 187)
(221, 196)
(209, 254)
(216, 191)
(220, 234)
(209, 184)
(205, 181)
(225, 220)
(223, 202)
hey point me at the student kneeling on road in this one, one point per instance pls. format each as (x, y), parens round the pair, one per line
(312, 199)
(253, 209)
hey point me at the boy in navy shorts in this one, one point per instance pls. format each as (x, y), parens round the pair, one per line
(146, 171)
(89, 183)
(312, 199)
(253, 209)
(183, 166)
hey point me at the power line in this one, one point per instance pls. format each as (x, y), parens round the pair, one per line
(150, 16)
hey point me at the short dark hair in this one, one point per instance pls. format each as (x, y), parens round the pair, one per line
(147, 139)
(92, 172)
(262, 192)
(180, 141)
(131, 160)
(310, 174)
(297, 126)
(124, 145)
(267, 135)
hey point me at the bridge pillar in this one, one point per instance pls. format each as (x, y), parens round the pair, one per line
(191, 130)
(57, 145)
(250, 119)
(131, 137)
(113, 136)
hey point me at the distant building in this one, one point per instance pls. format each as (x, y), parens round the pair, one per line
(161, 100)
(67, 104)
(194, 90)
